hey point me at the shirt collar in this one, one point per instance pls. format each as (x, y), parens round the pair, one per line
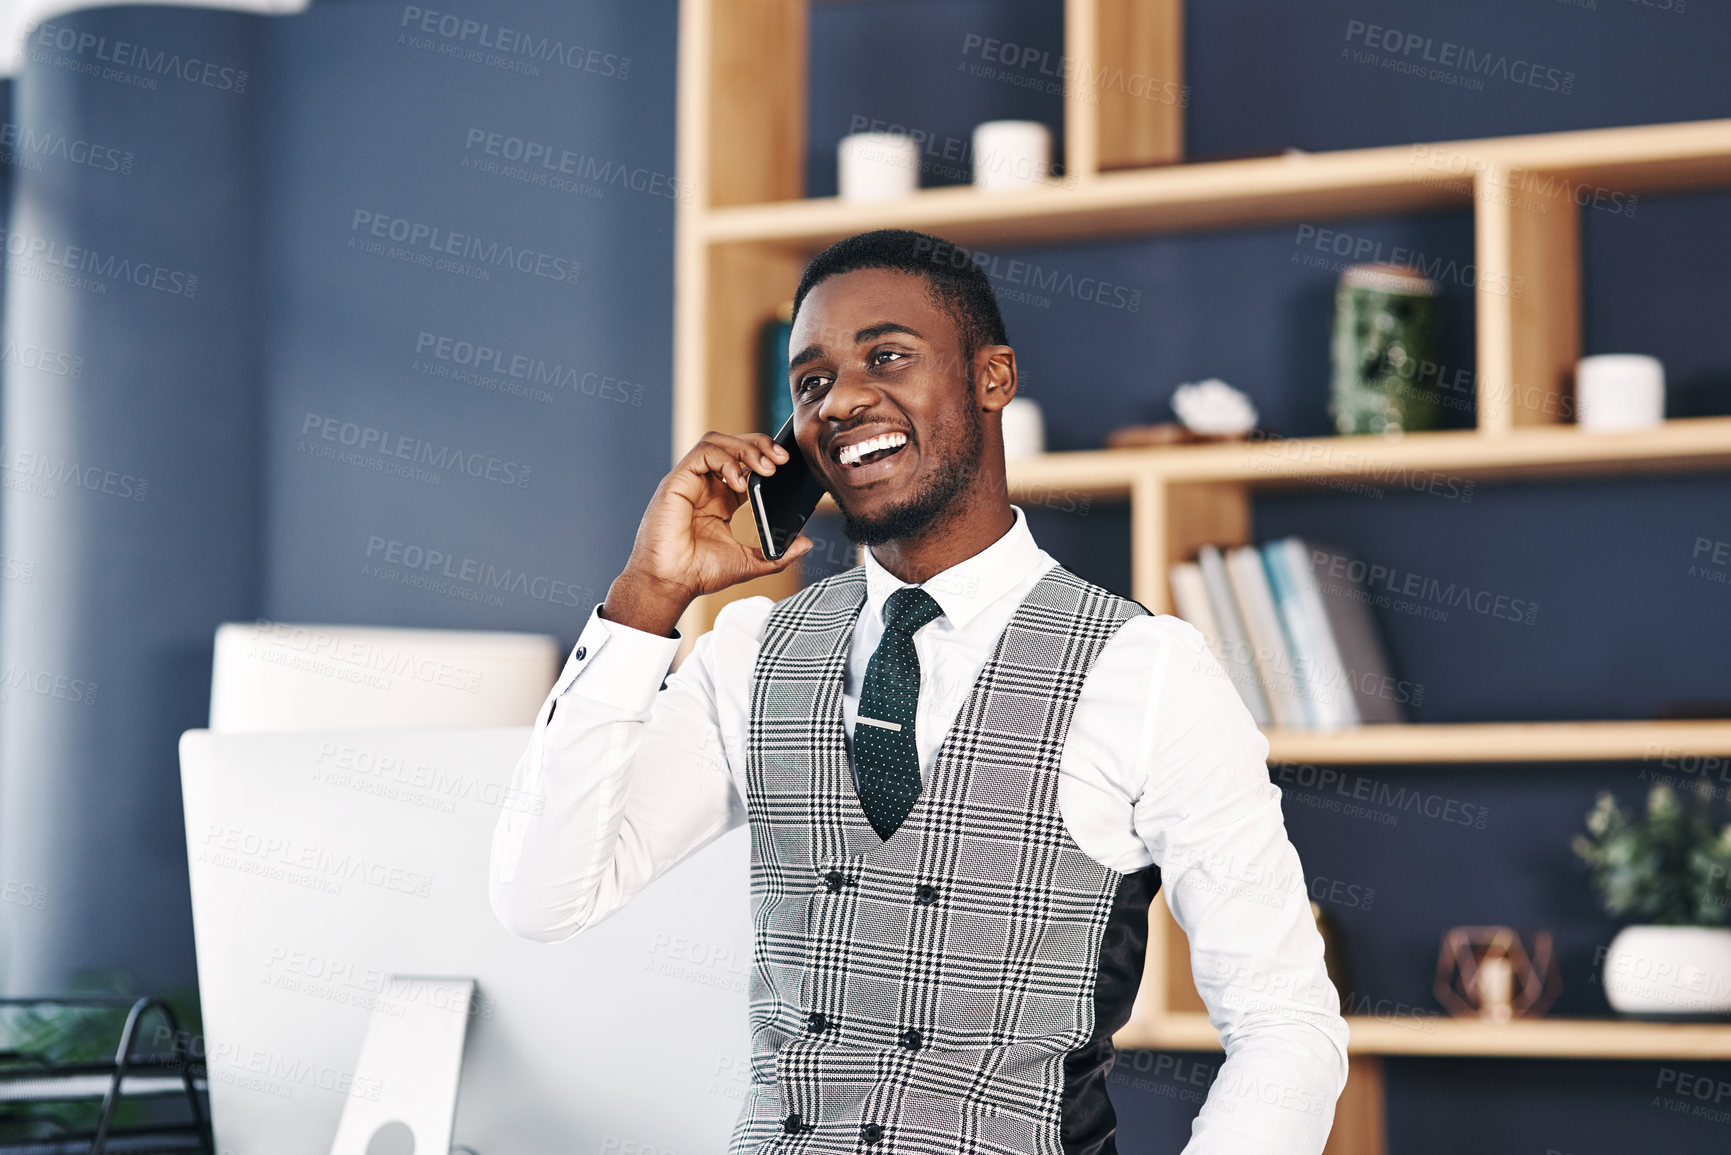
(973, 583)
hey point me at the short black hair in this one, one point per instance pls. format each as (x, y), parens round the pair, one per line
(957, 282)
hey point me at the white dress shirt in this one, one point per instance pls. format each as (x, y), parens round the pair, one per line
(1163, 764)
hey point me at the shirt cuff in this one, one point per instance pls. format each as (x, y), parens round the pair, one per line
(616, 664)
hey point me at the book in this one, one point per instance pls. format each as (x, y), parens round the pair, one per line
(1315, 656)
(1267, 637)
(775, 397)
(1190, 597)
(1301, 646)
(1237, 659)
(1363, 661)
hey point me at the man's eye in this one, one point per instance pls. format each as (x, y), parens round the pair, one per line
(882, 353)
(807, 384)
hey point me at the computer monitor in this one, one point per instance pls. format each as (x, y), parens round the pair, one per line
(324, 861)
(275, 676)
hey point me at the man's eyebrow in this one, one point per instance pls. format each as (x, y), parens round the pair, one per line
(869, 333)
(872, 332)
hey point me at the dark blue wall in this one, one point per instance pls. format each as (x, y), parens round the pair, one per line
(424, 380)
(861, 52)
(366, 116)
(1622, 629)
(1266, 76)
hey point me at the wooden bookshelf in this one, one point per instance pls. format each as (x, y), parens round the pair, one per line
(1465, 1038)
(1296, 186)
(1498, 742)
(1539, 452)
(1184, 496)
(745, 233)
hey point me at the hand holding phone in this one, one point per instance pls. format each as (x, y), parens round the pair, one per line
(783, 501)
(685, 545)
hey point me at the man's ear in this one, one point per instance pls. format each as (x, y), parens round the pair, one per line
(994, 376)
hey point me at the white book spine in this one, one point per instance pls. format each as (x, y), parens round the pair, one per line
(1332, 682)
(1190, 598)
(1267, 640)
(1240, 662)
(1301, 646)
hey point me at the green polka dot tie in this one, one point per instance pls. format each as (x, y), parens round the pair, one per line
(886, 755)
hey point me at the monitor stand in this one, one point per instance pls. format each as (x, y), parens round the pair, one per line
(402, 1096)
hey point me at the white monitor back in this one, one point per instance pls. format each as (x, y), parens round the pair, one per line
(324, 861)
(269, 676)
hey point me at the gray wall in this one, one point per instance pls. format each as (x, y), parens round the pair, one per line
(131, 474)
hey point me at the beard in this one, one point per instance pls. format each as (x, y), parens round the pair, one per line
(919, 510)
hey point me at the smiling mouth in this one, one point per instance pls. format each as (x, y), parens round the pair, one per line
(872, 449)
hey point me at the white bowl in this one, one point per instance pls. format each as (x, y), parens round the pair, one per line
(1669, 970)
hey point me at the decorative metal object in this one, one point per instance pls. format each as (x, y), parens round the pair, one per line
(1485, 972)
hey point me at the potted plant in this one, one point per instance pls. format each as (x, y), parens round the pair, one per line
(43, 1038)
(1670, 873)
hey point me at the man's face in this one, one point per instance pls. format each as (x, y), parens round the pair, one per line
(873, 353)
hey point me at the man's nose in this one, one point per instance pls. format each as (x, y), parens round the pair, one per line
(852, 391)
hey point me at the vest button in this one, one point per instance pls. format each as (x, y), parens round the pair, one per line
(871, 1133)
(791, 1124)
(817, 1022)
(911, 1039)
(834, 879)
(925, 894)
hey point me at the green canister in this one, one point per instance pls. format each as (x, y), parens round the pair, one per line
(1384, 351)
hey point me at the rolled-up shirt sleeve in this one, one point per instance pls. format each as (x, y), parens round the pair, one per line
(1233, 882)
(623, 778)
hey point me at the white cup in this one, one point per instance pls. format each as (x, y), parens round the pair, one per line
(1619, 391)
(877, 166)
(1012, 154)
(1024, 428)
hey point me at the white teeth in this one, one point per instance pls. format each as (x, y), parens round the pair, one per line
(850, 454)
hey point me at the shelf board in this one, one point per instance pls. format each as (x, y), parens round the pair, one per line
(1262, 191)
(1415, 461)
(1504, 742)
(1442, 1035)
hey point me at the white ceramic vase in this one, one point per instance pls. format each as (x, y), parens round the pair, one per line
(877, 166)
(1619, 391)
(1012, 154)
(1669, 970)
(1024, 428)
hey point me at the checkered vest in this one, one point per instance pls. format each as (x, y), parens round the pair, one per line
(955, 988)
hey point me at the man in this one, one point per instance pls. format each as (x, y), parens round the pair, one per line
(965, 770)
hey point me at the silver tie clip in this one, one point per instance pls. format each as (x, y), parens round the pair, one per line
(879, 722)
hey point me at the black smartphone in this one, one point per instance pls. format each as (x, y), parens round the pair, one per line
(783, 502)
